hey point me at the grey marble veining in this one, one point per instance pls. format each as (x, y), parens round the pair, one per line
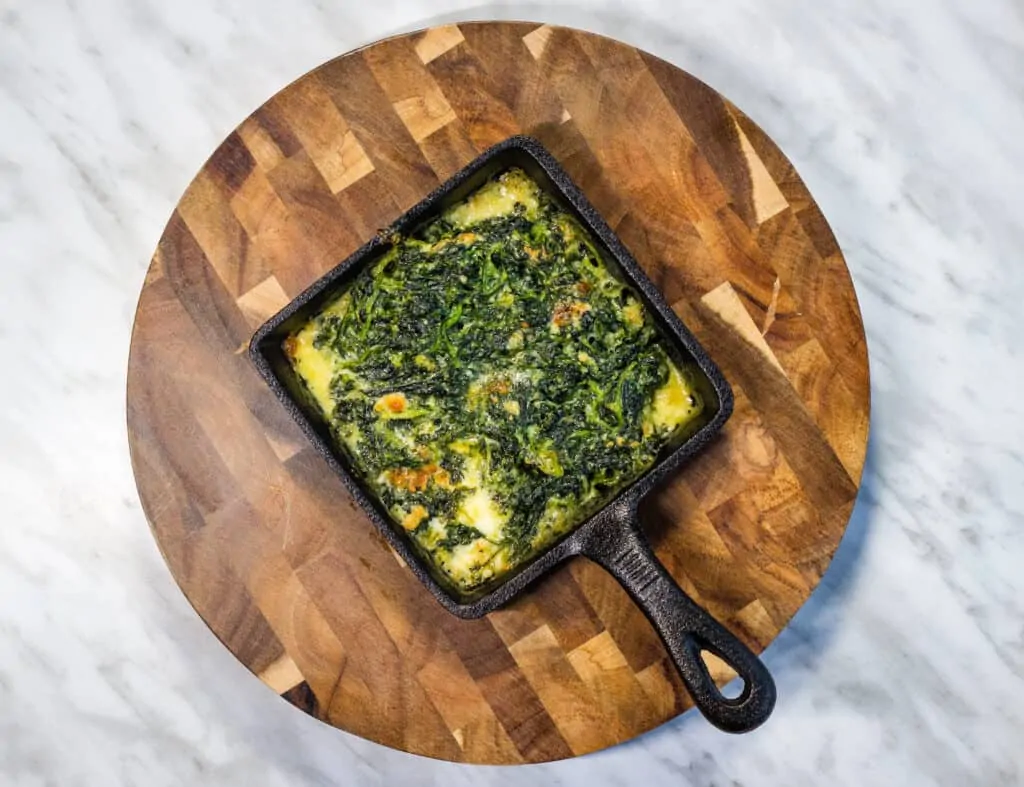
(905, 119)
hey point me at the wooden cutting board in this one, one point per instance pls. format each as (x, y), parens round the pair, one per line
(271, 550)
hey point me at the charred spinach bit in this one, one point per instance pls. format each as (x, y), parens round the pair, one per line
(508, 335)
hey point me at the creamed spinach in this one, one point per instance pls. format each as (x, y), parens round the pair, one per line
(492, 381)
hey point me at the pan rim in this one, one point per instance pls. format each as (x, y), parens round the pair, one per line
(479, 603)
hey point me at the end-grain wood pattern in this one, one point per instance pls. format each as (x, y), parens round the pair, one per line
(264, 540)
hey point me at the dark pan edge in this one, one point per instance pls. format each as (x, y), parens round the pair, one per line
(574, 543)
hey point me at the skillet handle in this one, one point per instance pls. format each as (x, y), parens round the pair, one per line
(685, 628)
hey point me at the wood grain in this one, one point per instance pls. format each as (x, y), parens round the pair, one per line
(266, 543)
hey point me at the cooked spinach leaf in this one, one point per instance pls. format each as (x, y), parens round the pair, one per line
(492, 380)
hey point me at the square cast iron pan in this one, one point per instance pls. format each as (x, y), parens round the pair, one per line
(612, 536)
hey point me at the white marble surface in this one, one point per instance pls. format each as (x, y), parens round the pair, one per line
(907, 121)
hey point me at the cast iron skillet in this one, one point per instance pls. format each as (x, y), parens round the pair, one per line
(612, 537)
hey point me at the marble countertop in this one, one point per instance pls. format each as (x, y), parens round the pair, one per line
(906, 121)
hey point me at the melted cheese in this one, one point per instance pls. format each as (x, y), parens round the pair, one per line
(479, 557)
(482, 558)
(392, 404)
(497, 198)
(412, 520)
(479, 510)
(633, 313)
(313, 365)
(476, 465)
(437, 529)
(674, 403)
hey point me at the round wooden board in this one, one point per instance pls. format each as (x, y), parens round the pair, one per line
(264, 540)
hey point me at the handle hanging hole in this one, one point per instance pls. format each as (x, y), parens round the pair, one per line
(734, 689)
(722, 673)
